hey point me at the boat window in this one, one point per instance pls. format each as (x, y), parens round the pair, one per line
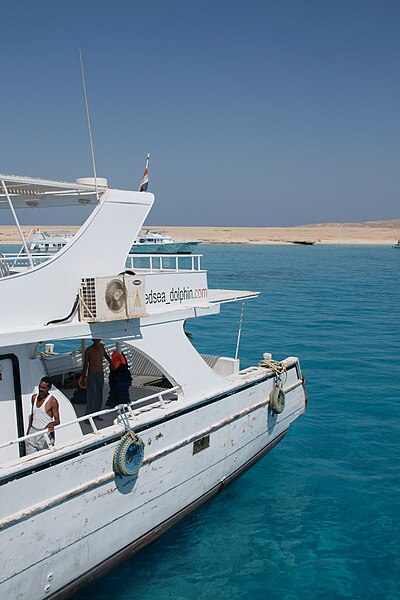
(201, 444)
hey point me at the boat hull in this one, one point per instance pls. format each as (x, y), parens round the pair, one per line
(125, 553)
(69, 521)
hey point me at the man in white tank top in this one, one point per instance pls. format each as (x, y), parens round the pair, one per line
(44, 416)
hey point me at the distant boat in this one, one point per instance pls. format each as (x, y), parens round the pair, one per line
(43, 241)
(156, 242)
(397, 245)
(150, 242)
(303, 242)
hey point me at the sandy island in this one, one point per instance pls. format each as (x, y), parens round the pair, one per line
(370, 232)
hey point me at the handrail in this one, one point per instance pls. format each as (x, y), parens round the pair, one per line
(22, 249)
(155, 262)
(166, 262)
(130, 408)
(17, 259)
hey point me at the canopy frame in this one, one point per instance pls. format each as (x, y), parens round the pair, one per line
(29, 192)
(25, 245)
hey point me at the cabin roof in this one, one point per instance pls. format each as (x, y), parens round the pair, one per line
(30, 192)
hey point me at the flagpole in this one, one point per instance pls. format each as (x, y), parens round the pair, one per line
(145, 177)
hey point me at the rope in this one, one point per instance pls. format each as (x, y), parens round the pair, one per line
(128, 455)
(278, 369)
(124, 419)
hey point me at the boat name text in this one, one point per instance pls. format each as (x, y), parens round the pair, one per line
(176, 295)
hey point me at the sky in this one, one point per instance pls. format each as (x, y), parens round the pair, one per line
(255, 113)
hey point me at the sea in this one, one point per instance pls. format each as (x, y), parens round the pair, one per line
(319, 516)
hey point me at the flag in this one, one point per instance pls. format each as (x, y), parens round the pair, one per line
(145, 179)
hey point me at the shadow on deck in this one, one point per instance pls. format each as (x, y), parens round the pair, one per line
(139, 396)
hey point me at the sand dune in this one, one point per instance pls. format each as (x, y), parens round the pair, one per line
(371, 232)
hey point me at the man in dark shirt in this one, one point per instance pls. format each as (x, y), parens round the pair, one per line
(93, 370)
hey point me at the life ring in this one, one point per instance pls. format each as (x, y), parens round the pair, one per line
(128, 455)
(277, 400)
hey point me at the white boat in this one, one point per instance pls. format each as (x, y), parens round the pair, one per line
(148, 242)
(397, 245)
(157, 242)
(45, 241)
(99, 492)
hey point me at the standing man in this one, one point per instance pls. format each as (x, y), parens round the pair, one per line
(93, 370)
(44, 416)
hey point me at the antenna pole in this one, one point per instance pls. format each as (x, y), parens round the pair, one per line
(88, 124)
(239, 331)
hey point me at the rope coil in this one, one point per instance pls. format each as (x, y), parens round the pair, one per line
(277, 397)
(128, 455)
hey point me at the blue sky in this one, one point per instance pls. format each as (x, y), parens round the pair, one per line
(261, 113)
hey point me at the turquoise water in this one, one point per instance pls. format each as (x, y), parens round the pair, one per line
(319, 516)
(9, 248)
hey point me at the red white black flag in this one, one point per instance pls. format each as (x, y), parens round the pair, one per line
(145, 179)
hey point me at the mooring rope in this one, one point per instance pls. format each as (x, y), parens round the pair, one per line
(278, 368)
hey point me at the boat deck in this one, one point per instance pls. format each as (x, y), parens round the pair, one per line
(139, 397)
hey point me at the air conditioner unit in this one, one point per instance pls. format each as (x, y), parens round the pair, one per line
(136, 299)
(112, 298)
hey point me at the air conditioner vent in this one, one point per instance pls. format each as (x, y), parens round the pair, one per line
(88, 299)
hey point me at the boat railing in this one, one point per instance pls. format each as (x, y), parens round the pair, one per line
(128, 410)
(164, 262)
(16, 260)
(144, 262)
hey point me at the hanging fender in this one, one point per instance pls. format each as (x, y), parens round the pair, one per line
(128, 455)
(277, 399)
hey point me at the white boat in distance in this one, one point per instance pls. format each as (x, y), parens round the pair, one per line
(149, 242)
(104, 489)
(44, 241)
(157, 242)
